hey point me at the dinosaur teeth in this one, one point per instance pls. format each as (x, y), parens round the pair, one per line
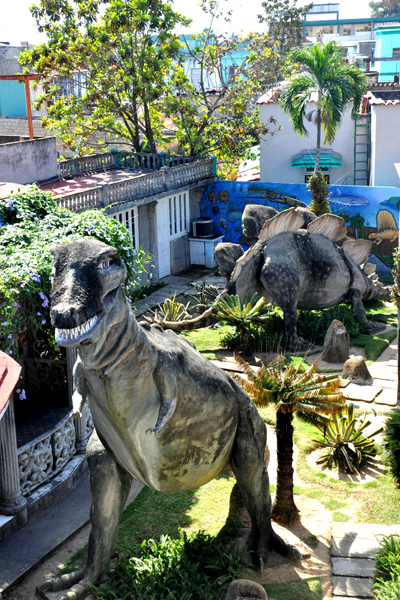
(74, 332)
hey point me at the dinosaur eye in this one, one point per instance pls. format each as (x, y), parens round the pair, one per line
(104, 264)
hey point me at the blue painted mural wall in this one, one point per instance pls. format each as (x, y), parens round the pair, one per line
(369, 212)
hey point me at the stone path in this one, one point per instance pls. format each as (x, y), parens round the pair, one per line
(353, 550)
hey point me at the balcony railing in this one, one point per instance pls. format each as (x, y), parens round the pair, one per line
(140, 186)
(142, 161)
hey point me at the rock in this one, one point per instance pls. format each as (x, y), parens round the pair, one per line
(253, 219)
(356, 370)
(226, 254)
(244, 589)
(336, 343)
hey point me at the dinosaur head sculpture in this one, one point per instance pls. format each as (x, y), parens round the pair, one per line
(87, 278)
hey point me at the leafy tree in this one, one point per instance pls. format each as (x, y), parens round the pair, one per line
(332, 81)
(300, 390)
(284, 29)
(226, 122)
(385, 8)
(117, 57)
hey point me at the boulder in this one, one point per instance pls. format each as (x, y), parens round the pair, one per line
(226, 254)
(253, 219)
(245, 589)
(336, 343)
(356, 371)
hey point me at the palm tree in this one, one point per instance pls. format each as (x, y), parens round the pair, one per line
(313, 397)
(334, 82)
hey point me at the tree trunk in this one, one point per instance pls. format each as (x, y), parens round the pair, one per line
(149, 130)
(284, 509)
(316, 168)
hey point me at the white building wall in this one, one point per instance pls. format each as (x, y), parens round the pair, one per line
(276, 151)
(385, 144)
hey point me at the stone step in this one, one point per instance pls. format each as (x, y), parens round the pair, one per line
(352, 587)
(353, 567)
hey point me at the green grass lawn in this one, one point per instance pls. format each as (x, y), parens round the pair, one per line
(207, 341)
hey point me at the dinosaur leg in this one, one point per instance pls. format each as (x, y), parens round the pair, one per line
(247, 462)
(355, 298)
(282, 284)
(110, 487)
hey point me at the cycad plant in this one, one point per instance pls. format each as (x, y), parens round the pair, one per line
(244, 315)
(299, 390)
(171, 310)
(347, 445)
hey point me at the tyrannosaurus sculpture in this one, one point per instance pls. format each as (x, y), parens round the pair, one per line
(298, 268)
(163, 414)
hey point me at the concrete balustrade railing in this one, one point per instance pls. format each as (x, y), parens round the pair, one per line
(127, 160)
(140, 186)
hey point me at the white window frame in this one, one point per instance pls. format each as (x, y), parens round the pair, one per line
(178, 214)
(129, 218)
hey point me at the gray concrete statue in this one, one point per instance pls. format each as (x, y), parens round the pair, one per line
(163, 414)
(298, 268)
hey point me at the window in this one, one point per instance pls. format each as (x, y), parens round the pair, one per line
(130, 219)
(231, 71)
(178, 211)
(326, 177)
(396, 53)
(310, 171)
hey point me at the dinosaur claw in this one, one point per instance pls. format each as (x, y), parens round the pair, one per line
(154, 430)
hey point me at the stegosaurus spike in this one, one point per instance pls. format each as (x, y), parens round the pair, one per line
(289, 220)
(330, 226)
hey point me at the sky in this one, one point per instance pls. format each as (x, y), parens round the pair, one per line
(17, 24)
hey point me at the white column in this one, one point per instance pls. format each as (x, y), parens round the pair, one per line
(12, 501)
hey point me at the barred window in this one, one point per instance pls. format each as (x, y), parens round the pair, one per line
(130, 219)
(178, 214)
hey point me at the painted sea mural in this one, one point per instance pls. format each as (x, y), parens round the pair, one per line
(370, 213)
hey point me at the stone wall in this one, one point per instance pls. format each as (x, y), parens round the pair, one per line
(28, 161)
(19, 128)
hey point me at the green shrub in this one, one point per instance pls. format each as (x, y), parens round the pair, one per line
(312, 325)
(391, 443)
(30, 223)
(191, 567)
(387, 570)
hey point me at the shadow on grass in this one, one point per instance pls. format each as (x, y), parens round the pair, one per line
(153, 514)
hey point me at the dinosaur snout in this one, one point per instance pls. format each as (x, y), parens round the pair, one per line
(65, 316)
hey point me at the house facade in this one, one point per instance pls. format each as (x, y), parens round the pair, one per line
(364, 151)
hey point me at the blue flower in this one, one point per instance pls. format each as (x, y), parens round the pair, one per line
(14, 304)
(42, 295)
(18, 391)
(45, 302)
(22, 395)
(44, 322)
(10, 205)
(39, 314)
(10, 352)
(9, 336)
